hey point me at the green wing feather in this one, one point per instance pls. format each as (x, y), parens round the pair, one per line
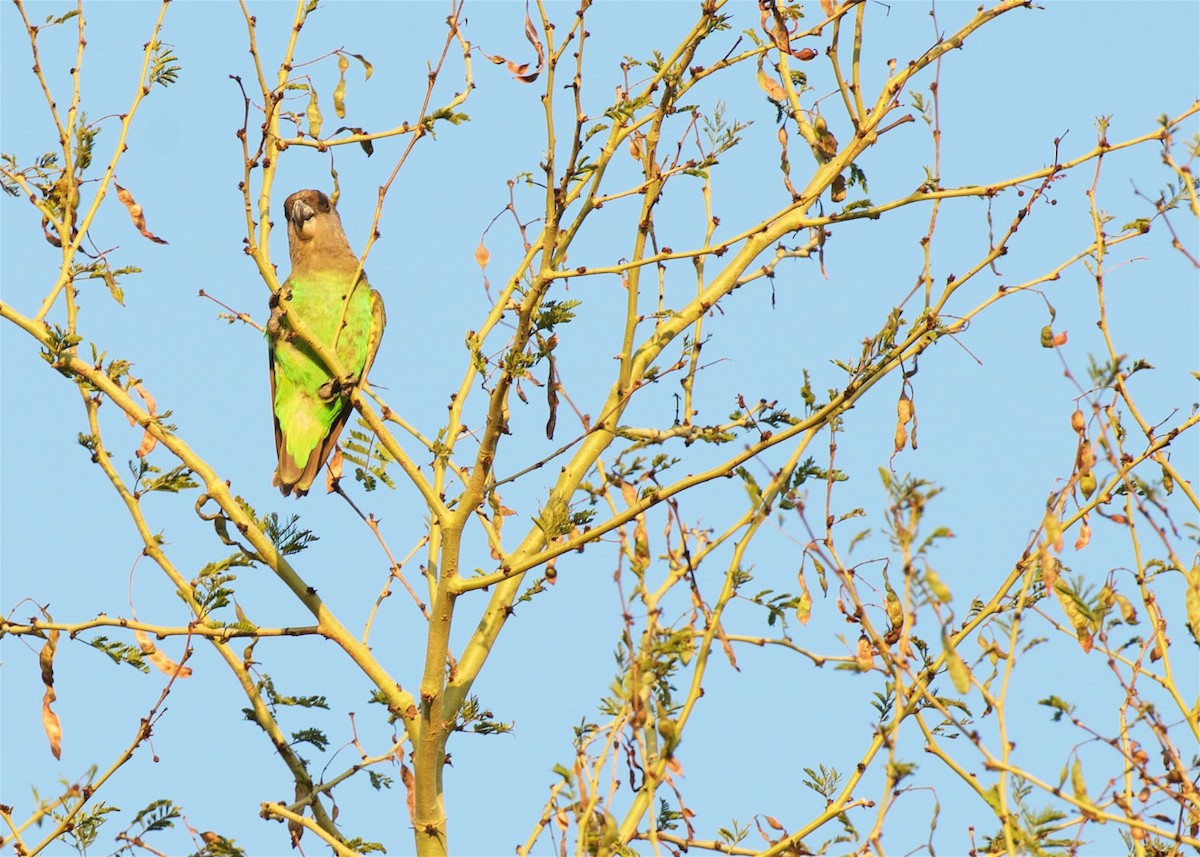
(307, 425)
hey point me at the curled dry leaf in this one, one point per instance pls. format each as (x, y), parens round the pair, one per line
(155, 656)
(368, 69)
(367, 145)
(136, 214)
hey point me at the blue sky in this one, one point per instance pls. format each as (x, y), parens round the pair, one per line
(993, 419)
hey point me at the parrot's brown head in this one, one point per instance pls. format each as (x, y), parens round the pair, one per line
(315, 235)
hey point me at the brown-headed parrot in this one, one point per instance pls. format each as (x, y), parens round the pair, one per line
(344, 313)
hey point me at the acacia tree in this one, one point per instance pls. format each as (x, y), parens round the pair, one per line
(679, 505)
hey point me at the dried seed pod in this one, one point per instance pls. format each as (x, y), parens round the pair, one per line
(864, 655)
(960, 673)
(313, 115)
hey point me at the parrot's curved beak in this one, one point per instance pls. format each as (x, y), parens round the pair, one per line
(300, 214)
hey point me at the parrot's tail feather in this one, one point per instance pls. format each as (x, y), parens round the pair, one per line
(289, 477)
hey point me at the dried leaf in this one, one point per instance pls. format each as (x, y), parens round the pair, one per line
(367, 145)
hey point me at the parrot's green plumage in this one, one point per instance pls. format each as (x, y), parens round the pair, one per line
(343, 314)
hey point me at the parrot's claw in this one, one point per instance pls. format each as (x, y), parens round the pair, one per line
(337, 387)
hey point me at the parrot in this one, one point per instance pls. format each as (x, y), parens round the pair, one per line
(344, 313)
